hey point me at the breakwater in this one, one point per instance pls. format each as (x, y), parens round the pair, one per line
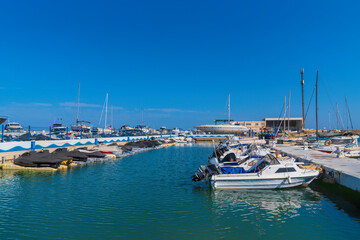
(34, 145)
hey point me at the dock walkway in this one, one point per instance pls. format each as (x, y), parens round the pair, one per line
(345, 171)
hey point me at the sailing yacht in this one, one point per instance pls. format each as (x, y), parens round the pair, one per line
(81, 126)
(223, 126)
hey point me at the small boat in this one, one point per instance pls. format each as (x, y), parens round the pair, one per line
(13, 129)
(58, 128)
(266, 173)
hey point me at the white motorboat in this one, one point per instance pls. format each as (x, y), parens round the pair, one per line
(222, 128)
(13, 129)
(225, 126)
(58, 128)
(265, 173)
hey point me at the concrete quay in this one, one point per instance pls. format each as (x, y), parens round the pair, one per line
(344, 171)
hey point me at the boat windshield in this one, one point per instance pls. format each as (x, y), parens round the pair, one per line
(271, 159)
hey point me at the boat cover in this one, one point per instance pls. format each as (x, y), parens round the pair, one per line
(232, 170)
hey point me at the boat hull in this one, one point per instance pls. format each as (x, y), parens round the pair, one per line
(259, 183)
(218, 129)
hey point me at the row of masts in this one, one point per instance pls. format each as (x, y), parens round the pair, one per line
(105, 108)
(338, 115)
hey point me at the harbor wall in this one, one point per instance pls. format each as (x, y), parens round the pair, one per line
(43, 144)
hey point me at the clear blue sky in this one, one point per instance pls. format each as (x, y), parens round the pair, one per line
(178, 60)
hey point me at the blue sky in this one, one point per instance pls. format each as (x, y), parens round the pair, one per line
(177, 60)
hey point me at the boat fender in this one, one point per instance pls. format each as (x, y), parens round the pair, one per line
(289, 179)
(328, 142)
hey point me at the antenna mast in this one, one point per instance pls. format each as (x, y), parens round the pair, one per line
(302, 90)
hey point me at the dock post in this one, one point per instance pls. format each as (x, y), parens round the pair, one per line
(50, 133)
(2, 133)
(29, 136)
(3, 159)
(306, 146)
(32, 146)
(67, 133)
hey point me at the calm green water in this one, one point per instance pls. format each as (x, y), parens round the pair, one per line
(151, 196)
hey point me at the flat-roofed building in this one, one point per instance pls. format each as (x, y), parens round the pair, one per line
(296, 123)
(251, 125)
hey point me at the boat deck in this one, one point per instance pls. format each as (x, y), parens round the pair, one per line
(345, 171)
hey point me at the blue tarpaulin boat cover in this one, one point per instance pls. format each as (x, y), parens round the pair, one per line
(232, 170)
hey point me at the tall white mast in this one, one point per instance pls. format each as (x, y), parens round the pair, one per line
(284, 116)
(78, 103)
(106, 104)
(289, 114)
(229, 109)
(112, 115)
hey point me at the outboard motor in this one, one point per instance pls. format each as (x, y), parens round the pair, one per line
(210, 169)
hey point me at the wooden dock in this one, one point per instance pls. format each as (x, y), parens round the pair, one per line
(345, 171)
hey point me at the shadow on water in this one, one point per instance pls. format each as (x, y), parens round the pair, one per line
(28, 175)
(345, 199)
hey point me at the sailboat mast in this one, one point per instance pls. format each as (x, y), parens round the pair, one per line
(329, 121)
(302, 90)
(284, 115)
(106, 105)
(229, 109)
(78, 103)
(112, 115)
(289, 114)
(348, 110)
(317, 126)
(337, 116)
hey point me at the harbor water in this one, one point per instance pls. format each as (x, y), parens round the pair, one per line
(150, 196)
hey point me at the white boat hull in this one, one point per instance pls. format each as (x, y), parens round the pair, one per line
(225, 128)
(219, 182)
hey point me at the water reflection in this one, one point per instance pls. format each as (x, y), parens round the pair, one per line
(285, 203)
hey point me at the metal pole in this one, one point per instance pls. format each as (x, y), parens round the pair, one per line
(284, 116)
(29, 135)
(2, 133)
(317, 126)
(49, 133)
(67, 133)
(302, 89)
(81, 130)
(289, 114)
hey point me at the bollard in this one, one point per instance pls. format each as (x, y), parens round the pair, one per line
(306, 146)
(340, 152)
(3, 159)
